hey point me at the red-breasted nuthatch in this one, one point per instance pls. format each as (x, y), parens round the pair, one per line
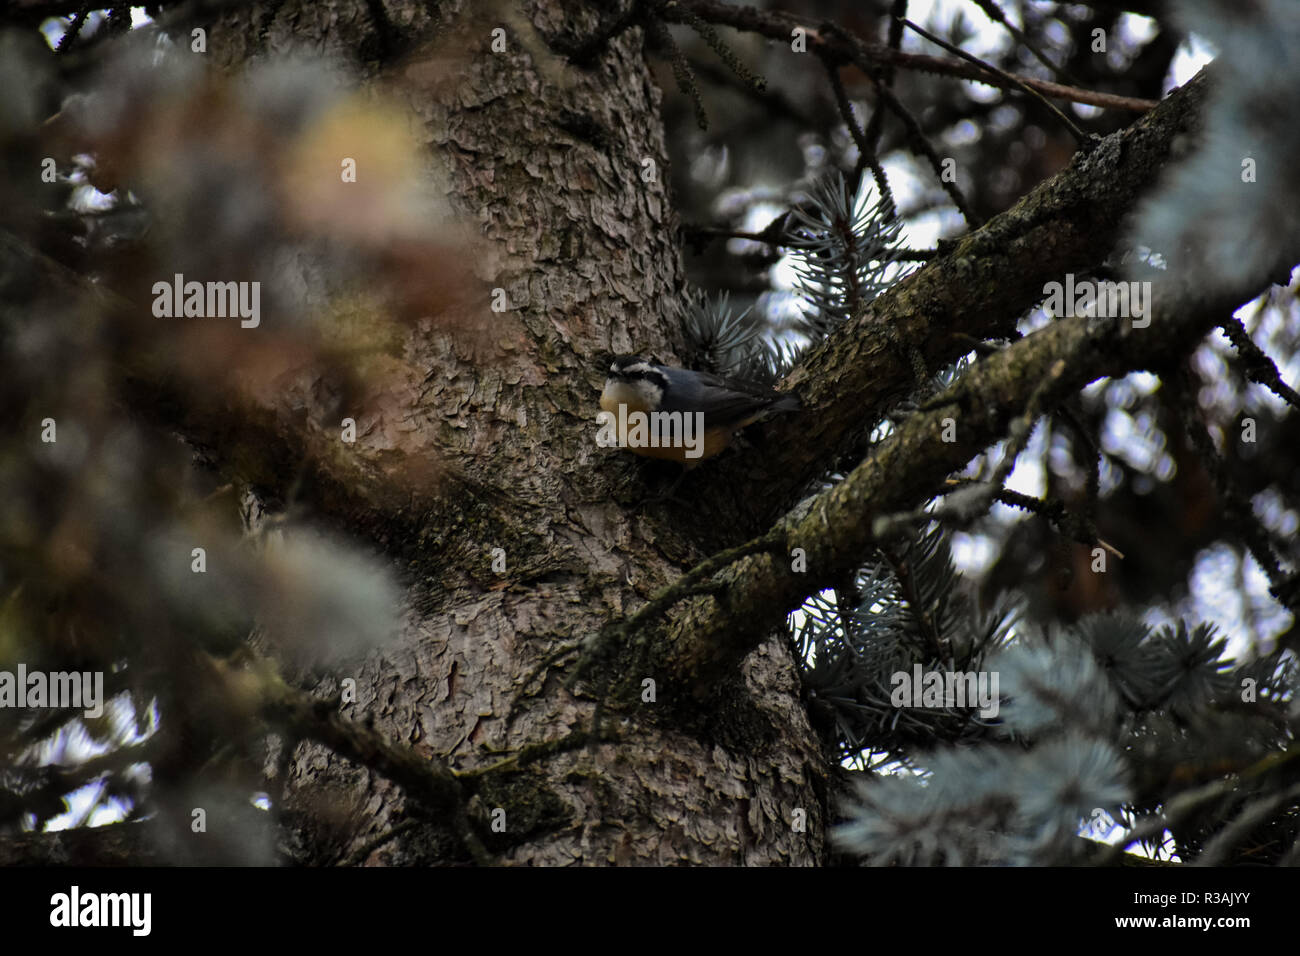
(720, 406)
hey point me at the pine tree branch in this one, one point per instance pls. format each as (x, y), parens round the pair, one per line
(778, 25)
(1281, 765)
(1068, 223)
(837, 527)
(980, 285)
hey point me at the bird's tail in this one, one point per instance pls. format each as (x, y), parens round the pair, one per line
(786, 403)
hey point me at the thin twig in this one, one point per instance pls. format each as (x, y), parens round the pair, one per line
(1250, 817)
(69, 38)
(1055, 511)
(994, 13)
(921, 142)
(877, 124)
(874, 57)
(1242, 516)
(681, 68)
(866, 152)
(1080, 136)
(1185, 803)
(725, 53)
(1258, 366)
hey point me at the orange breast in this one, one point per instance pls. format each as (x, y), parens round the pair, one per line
(709, 444)
(715, 440)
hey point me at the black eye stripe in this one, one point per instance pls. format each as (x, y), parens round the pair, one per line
(634, 369)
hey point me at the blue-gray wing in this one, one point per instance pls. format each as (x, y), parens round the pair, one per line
(727, 402)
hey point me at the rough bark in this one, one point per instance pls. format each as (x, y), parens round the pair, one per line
(586, 250)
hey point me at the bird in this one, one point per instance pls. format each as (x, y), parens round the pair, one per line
(704, 410)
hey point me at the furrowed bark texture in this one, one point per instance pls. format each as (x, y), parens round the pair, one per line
(583, 242)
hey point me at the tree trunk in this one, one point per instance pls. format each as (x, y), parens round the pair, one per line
(563, 168)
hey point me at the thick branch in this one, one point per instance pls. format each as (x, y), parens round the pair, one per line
(838, 527)
(121, 844)
(984, 283)
(1051, 225)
